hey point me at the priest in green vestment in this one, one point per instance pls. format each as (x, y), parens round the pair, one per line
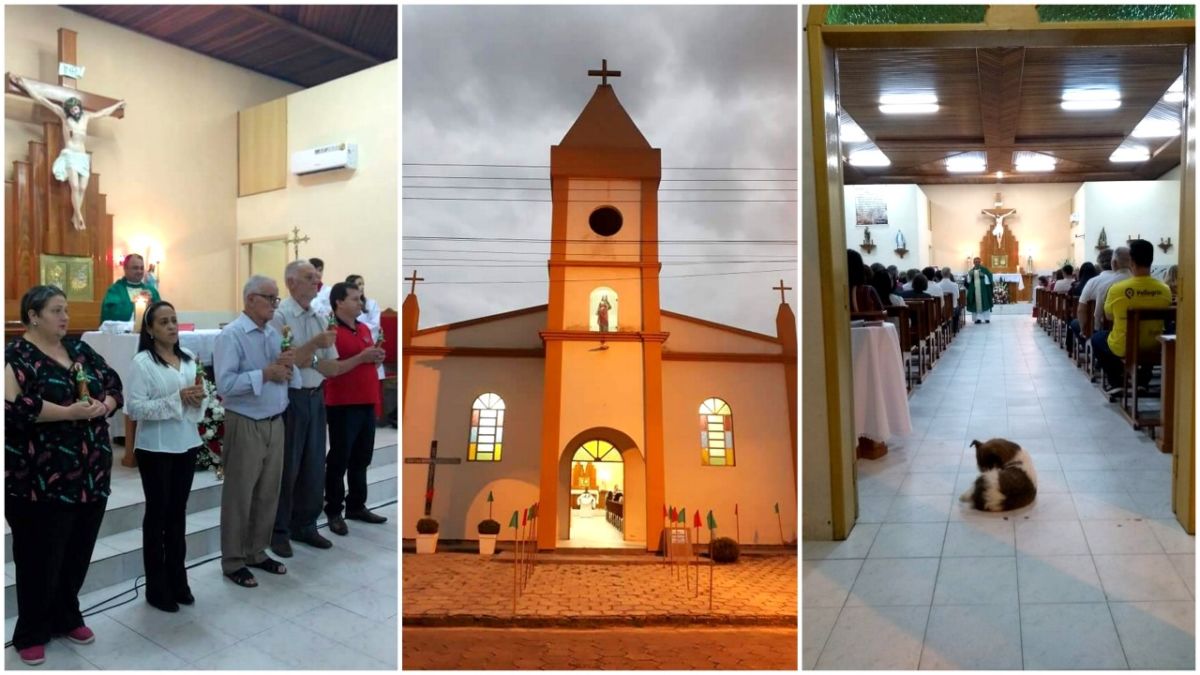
(979, 292)
(118, 301)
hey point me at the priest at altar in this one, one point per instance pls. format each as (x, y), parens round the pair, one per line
(118, 301)
(979, 292)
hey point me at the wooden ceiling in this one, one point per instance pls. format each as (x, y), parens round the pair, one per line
(999, 101)
(303, 44)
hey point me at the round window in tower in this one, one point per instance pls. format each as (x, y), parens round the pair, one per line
(605, 221)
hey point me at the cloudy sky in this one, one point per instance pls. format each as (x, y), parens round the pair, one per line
(713, 87)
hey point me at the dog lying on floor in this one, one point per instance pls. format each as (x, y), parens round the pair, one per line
(1007, 479)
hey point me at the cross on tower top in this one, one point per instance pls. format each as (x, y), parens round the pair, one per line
(781, 288)
(604, 73)
(414, 279)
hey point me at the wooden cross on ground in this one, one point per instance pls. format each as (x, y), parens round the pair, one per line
(432, 460)
(604, 73)
(295, 241)
(66, 85)
(781, 288)
(414, 279)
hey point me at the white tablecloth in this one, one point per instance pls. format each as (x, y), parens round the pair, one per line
(1011, 278)
(880, 398)
(118, 352)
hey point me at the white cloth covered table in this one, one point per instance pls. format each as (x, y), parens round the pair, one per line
(118, 352)
(1011, 278)
(880, 397)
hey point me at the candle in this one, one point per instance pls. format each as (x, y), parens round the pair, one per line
(286, 344)
(139, 311)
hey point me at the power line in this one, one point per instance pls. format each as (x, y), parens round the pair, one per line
(661, 180)
(592, 241)
(545, 189)
(665, 168)
(592, 281)
(543, 254)
(523, 264)
(616, 201)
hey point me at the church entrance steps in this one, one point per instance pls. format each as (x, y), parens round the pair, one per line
(117, 557)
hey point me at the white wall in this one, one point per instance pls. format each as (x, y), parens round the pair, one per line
(1124, 209)
(908, 212)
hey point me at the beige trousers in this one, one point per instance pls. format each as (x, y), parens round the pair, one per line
(253, 458)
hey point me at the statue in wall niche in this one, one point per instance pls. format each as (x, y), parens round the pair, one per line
(1103, 243)
(73, 163)
(602, 313)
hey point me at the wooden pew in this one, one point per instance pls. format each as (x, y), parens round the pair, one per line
(902, 317)
(1166, 440)
(1138, 356)
(1084, 350)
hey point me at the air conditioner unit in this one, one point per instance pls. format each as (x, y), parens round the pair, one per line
(325, 158)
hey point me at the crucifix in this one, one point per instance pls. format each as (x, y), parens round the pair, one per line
(74, 108)
(604, 73)
(432, 460)
(295, 241)
(414, 279)
(781, 288)
(999, 214)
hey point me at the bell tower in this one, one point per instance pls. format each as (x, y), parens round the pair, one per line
(603, 338)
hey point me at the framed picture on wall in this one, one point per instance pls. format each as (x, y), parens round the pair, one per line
(870, 210)
(999, 262)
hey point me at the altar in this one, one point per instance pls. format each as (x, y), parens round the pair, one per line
(118, 351)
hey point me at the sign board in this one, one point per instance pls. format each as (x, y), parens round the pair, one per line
(679, 544)
(433, 460)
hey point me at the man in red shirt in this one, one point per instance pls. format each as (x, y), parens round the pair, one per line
(350, 400)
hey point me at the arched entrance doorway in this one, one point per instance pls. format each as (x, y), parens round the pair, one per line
(595, 467)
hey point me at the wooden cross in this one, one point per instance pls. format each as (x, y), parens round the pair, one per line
(296, 241)
(432, 460)
(781, 288)
(414, 279)
(66, 85)
(604, 73)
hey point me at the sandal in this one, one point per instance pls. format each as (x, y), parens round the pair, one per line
(243, 578)
(270, 565)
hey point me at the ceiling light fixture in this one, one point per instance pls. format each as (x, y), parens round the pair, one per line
(1152, 128)
(1130, 154)
(1175, 91)
(852, 133)
(1045, 163)
(1091, 99)
(966, 165)
(902, 104)
(869, 158)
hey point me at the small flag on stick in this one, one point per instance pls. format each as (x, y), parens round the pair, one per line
(512, 522)
(779, 519)
(490, 500)
(712, 521)
(674, 514)
(737, 524)
(683, 516)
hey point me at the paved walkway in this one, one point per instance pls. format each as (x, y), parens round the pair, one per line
(609, 649)
(448, 589)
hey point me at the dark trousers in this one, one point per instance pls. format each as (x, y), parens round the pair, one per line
(351, 445)
(1074, 333)
(303, 465)
(1112, 365)
(166, 482)
(52, 546)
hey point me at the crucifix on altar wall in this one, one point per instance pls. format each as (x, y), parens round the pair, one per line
(295, 241)
(75, 109)
(999, 214)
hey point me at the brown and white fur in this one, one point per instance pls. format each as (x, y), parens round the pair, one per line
(1007, 479)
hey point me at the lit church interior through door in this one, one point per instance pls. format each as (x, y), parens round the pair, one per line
(597, 496)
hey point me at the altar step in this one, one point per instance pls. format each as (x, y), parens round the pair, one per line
(117, 557)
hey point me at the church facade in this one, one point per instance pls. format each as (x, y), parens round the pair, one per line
(600, 391)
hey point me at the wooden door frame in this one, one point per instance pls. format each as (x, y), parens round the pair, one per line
(1003, 26)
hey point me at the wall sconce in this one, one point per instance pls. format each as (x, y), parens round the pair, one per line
(1164, 245)
(1130, 239)
(867, 245)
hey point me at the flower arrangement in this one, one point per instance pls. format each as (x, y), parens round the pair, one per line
(212, 430)
(1000, 293)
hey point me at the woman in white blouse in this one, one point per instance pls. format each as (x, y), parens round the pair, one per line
(163, 397)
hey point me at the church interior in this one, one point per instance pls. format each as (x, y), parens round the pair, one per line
(969, 173)
(246, 137)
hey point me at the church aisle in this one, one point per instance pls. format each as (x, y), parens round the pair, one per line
(333, 610)
(1096, 573)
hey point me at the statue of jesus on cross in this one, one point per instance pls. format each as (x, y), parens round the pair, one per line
(999, 214)
(73, 163)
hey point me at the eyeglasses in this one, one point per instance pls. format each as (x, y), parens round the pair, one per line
(273, 299)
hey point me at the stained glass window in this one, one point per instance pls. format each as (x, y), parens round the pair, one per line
(597, 451)
(904, 14)
(1054, 13)
(487, 429)
(716, 433)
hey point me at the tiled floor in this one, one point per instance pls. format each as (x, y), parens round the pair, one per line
(334, 610)
(594, 531)
(1095, 574)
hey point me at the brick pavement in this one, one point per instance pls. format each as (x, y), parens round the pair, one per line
(646, 648)
(461, 589)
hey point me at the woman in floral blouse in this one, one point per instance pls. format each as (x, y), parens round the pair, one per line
(58, 461)
(168, 403)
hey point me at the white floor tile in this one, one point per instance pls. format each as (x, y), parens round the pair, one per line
(1057, 579)
(1106, 537)
(1136, 578)
(855, 546)
(931, 483)
(1105, 506)
(973, 638)
(1173, 537)
(976, 581)
(1050, 537)
(815, 629)
(909, 540)
(826, 583)
(873, 509)
(980, 538)
(919, 509)
(1157, 635)
(894, 581)
(876, 638)
(1074, 636)
(1185, 565)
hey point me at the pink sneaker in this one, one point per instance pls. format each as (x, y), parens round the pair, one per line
(33, 656)
(82, 636)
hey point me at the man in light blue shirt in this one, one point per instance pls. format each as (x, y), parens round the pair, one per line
(253, 373)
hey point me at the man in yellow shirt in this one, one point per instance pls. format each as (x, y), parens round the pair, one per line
(1141, 291)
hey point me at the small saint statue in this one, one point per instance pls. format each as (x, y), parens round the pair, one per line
(286, 342)
(602, 313)
(73, 163)
(81, 384)
(900, 243)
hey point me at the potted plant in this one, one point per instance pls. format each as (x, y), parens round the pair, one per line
(427, 535)
(488, 531)
(725, 550)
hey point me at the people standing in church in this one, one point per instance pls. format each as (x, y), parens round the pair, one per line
(252, 372)
(949, 286)
(1064, 278)
(303, 482)
(371, 315)
(119, 300)
(919, 287)
(168, 405)
(894, 272)
(1087, 272)
(350, 400)
(863, 298)
(58, 464)
(1121, 267)
(1104, 262)
(881, 281)
(909, 275)
(979, 292)
(321, 302)
(1140, 291)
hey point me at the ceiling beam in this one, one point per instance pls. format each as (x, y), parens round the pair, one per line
(1032, 144)
(300, 31)
(986, 179)
(1000, 72)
